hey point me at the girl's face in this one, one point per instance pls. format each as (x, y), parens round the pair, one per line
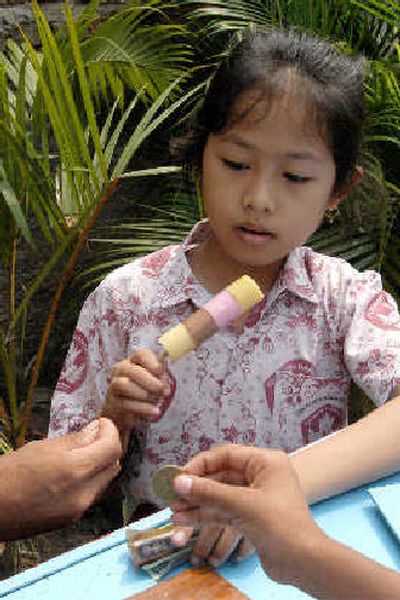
(267, 181)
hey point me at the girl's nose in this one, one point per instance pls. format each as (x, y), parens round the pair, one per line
(259, 197)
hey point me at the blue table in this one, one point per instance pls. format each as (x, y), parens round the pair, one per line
(103, 569)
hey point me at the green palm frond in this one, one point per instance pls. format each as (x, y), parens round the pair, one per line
(58, 154)
(166, 223)
(388, 11)
(25, 187)
(131, 240)
(220, 16)
(341, 20)
(136, 48)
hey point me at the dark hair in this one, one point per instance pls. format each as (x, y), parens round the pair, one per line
(331, 81)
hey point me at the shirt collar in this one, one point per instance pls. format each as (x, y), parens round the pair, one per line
(182, 285)
(294, 276)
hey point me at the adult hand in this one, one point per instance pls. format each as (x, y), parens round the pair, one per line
(49, 483)
(257, 492)
(215, 545)
(135, 388)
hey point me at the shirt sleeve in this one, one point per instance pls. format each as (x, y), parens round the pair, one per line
(97, 344)
(372, 337)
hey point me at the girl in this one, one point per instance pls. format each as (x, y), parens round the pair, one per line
(276, 146)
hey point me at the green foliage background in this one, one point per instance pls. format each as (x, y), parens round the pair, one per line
(78, 118)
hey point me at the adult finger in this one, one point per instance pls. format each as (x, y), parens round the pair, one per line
(93, 488)
(208, 537)
(182, 535)
(212, 494)
(197, 517)
(104, 451)
(230, 477)
(229, 458)
(225, 546)
(77, 439)
(244, 549)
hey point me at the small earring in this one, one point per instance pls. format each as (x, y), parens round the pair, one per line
(332, 215)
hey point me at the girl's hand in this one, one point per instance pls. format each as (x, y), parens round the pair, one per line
(257, 492)
(215, 545)
(135, 388)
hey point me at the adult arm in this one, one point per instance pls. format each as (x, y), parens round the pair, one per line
(257, 492)
(50, 483)
(364, 451)
(332, 571)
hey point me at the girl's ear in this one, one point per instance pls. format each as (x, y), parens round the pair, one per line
(352, 180)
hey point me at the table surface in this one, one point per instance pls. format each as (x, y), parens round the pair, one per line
(103, 569)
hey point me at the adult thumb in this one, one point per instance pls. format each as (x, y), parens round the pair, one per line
(84, 437)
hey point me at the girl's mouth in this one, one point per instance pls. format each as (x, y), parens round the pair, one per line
(254, 230)
(254, 236)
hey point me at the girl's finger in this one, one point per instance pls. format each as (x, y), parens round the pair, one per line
(140, 376)
(147, 359)
(124, 387)
(137, 409)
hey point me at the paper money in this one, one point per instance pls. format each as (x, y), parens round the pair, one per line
(149, 545)
(163, 482)
(161, 567)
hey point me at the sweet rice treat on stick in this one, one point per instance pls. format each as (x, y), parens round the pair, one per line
(224, 308)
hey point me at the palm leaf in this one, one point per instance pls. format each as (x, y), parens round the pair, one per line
(137, 47)
(86, 95)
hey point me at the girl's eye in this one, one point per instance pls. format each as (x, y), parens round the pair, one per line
(234, 165)
(293, 178)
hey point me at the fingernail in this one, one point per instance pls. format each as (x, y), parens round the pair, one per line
(214, 562)
(237, 558)
(179, 538)
(183, 485)
(167, 390)
(92, 427)
(155, 412)
(195, 561)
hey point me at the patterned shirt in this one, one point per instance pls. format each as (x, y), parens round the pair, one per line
(282, 382)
